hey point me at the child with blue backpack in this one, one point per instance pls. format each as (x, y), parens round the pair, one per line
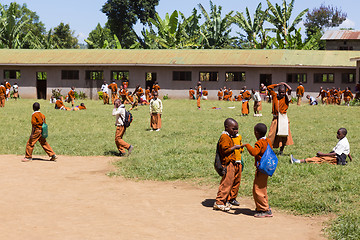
(260, 181)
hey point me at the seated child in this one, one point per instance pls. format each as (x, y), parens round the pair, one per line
(336, 156)
(60, 105)
(260, 181)
(229, 184)
(312, 100)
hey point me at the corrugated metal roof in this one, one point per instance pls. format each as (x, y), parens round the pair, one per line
(341, 35)
(141, 57)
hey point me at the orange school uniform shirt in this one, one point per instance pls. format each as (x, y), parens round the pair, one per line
(205, 93)
(2, 90)
(278, 105)
(37, 120)
(246, 95)
(191, 94)
(225, 145)
(156, 87)
(300, 91)
(72, 93)
(139, 91)
(259, 149)
(113, 87)
(220, 94)
(59, 104)
(348, 94)
(81, 107)
(8, 85)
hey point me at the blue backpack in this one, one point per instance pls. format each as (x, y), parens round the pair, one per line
(268, 162)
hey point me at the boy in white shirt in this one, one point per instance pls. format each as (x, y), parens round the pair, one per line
(155, 113)
(257, 103)
(119, 112)
(337, 156)
(104, 89)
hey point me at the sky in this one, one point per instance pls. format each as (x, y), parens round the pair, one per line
(84, 15)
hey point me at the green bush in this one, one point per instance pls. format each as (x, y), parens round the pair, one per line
(100, 93)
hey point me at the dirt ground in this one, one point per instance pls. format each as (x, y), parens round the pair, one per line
(74, 199)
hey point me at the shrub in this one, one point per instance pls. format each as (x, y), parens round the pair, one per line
(82, 95)
(56, 93)
(100, 95)
(166, 97)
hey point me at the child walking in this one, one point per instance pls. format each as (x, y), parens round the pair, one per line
(230, 182)
(260, 181)
(37, 121)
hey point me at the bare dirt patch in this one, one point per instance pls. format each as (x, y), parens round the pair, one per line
(74, 199)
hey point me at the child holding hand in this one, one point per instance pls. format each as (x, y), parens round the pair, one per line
(260, 181)
(229, 184)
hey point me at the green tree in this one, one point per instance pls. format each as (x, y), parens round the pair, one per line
(122, 16)
(99, 37)
(256, 35)
(319, 19)
(280, 17)
(216, 30)
(19, 26)
(64, 36)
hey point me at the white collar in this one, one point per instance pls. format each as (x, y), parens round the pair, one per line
(36, 112)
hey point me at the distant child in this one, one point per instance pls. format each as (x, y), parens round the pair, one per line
(260, 181)
(156, 108)
(37, 121)
(229, 184)
(119, 113)
(71, 96)
(191, 94)
(257, 103)
(16, 91)
(79, 107)
(336, 156)
(2, 95)
(312, 100)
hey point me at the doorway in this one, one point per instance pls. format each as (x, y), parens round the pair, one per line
(266, 79)
(41, 85)
(150, 79)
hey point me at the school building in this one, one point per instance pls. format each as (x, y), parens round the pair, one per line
(37, 72)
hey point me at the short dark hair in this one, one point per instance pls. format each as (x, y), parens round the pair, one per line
(343, 130)
(228, 121)
(36, 106)
(261, 129)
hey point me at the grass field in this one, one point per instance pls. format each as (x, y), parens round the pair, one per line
(185, 149)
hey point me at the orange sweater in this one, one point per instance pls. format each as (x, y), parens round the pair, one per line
(59, 104)
(300, 91)
(37, 120)
(71, 94)
(259, 149)
(82, 107)
(225, 145)
(113, 87)
(278, 105)
(2, 90)
(191, 94)
(246, 95)
(8, 85)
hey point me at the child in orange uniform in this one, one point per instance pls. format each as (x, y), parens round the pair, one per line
(220, 94)
(37, 121)
(230, 182)
(191, 94)
(260, 180)
(280, 105)
(300, 93)
(2, 95)
(71, 95)
(114, 88)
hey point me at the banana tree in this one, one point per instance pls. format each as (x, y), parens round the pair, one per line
(216, 30)
(10, 27)
(255, 34)
(280, 17)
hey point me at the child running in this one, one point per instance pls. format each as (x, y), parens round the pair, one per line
(260, 181)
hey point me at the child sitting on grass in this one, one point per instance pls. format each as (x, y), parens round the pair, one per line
(260, 181)
(229, 184)
(337, 156)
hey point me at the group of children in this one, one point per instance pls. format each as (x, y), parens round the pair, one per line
(335, 96)
(5, 88)
(230, 147)
(139, 96)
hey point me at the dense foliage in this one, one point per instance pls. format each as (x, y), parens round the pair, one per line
(209, 29)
